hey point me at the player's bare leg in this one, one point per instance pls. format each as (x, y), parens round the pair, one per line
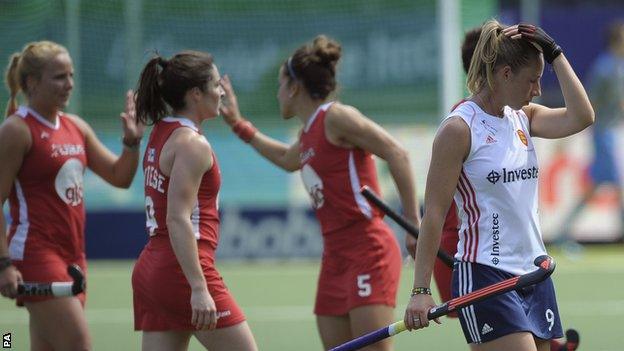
(334, 330)
(365, 319)
(67, 333)
(234, 338)
(37, 342)
(166, 340)
(523, 341)
(542, 345)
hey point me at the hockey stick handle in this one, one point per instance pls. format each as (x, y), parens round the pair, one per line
(55, 289)
(545, 264)
(402, 221)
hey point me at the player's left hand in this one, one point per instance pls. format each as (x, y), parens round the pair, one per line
(229, 104)
(538, 37)
(132, 128)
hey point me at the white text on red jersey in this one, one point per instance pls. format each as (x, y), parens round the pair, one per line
(154, 179)
(67, 150)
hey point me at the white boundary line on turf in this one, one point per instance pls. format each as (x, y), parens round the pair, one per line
(301, 313)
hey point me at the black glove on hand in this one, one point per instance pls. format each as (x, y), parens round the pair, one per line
(550, 49)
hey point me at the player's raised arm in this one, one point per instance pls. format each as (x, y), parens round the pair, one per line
(116, 170)
(280, 154)
(578, 113)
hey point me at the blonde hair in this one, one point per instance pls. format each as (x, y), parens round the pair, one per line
(494, 49)
(29, 62)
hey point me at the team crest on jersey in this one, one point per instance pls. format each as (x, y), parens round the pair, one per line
(45, 135)
(522, 137)
(151, 154)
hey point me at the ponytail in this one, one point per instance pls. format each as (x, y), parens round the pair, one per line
(12, 82)
(150, 106)
(485, 56)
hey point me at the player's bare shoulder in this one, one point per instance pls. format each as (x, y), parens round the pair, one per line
(341, 118)
(14, 132)
(341, 113)
(455, 126)
(193, 145)
(84, 127)
(454, 135)
(188, 138)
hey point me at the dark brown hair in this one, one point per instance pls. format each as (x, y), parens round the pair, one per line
(468, 46)
(164, 83)
(314, 65)
(494, 50)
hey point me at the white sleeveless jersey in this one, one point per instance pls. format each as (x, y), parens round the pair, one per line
(497, 192)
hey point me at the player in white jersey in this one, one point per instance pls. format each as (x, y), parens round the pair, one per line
(484, 157)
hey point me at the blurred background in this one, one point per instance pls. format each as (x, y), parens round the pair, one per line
(401, 67)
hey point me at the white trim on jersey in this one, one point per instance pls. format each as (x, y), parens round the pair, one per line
(18, 241)
(23, 111)
(360, 200)
(183, 121)
(471, 209)
(195, 220)
(323, 107)
(465, 287)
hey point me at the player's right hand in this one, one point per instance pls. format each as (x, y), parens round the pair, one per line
(204, 310)
(417, 311)
(9, 278)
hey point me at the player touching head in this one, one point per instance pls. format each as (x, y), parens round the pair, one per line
(478, 150)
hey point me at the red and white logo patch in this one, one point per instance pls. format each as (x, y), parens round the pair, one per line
(522, 137)
(490, 139)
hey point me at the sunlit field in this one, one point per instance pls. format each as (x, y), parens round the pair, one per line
(277, 298)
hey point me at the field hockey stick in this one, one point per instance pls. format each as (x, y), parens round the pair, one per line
(56, 289)
(545, 267)
(402, 221)
(572, 341)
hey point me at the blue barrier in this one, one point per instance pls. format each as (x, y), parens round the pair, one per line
(246, 233)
